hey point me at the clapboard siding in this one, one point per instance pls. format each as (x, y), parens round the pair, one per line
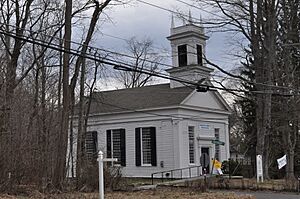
(171, 136)
(205, 132)
(164, 146)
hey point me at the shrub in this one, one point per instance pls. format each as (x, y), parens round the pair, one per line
(231, 167)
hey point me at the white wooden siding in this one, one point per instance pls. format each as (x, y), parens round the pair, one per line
(164, 146)
(171, 135)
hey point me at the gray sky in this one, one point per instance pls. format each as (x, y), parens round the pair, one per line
(145, 21)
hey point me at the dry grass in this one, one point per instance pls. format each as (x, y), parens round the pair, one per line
(164, 193)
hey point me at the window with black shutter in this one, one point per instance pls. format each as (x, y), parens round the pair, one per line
(116, 145)
(182, 55)
(91, 144)
(145, 142)
(191, 131)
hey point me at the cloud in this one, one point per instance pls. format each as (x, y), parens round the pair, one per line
(143, 21)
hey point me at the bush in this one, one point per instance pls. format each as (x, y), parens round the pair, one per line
(231, 167)
(113, 178)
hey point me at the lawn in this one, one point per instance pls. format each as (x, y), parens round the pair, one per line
(161, 193)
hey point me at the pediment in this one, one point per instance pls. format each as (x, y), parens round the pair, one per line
(210, 100)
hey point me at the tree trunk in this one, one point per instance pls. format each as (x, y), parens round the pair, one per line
(60, 169)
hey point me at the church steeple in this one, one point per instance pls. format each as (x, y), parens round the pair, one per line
(188, 44)
(190, 17)
(172, 22)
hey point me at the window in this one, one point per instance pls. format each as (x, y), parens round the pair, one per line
(115, 141)
(191, 145)
(145, 145)
(217, 147)
(182, 55)
(91, 144)
(199, 55)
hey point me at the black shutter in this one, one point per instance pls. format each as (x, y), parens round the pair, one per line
(108, 143)
(153, 146)
(123, 147)
(95, 143)
(138, 147)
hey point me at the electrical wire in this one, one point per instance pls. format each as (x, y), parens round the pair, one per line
(127, 67)
(168, 10)
(95, 49)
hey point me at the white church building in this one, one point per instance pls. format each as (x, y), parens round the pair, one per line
(165, 126)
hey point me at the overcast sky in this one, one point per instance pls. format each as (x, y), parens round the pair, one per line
(145, 21)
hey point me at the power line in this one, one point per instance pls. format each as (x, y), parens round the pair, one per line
(168, 10)
(177, 13)
(213, 75)
(199, 8)
(116, 64)
(91, 48)
(129, 68)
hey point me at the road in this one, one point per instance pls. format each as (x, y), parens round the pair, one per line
(270, 195)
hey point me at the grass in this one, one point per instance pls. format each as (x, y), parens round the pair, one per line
(162, 193)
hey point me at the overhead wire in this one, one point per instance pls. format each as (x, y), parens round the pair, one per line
(115, 64)
(199, 8)
(125, 66)
(213, 75)
(168, 10)
(149, 61)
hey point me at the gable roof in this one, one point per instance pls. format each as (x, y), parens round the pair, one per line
(131, 99)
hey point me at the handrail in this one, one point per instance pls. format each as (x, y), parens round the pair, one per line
(173, 170)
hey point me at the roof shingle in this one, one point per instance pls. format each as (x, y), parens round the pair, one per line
(131, 99)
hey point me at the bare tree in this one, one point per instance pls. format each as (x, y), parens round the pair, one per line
(142, 57)
(21, 20)
(256, 21)
(286, 113)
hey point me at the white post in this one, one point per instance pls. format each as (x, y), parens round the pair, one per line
(101, 181)
(259, 168)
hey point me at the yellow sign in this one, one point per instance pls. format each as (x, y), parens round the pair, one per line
(217, 164)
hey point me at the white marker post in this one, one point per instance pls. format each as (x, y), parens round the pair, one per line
(101, 178)
(259, 168)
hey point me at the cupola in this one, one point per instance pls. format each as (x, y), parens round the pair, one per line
(188, 43)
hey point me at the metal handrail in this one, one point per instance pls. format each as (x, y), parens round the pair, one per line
(173, 170)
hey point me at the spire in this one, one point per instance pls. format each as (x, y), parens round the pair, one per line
(201, 24)
(190, 17)
(201, 21)
(172, 22)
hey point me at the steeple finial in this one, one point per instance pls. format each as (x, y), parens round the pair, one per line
(172, 22)
(190, 17)
(201, 21)
(201, 24)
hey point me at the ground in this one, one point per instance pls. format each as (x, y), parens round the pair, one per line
(164, 193)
